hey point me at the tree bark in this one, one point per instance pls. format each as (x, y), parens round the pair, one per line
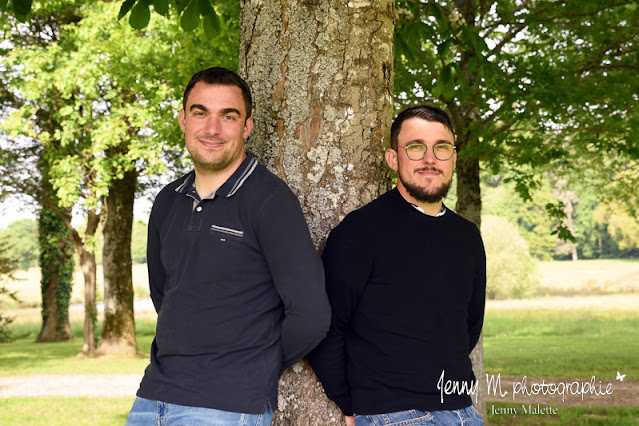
(56, 265)
(468, 167)
(87, 264)
(469, 206)
(321, 73)
(118, 330)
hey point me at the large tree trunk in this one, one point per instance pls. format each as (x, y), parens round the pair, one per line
(469, 207)
(321, 73)
(468, 190)
(56, 265)
(118, 330)
(87, 264)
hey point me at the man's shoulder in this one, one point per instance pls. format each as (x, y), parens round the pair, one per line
(369, 214)
(462, 223)
(263, 188)
(376, 207)
(263, 178)
(173, 187)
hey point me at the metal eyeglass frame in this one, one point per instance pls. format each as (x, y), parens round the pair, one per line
(426, 150)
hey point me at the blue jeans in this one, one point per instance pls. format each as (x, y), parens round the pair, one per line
(146, 412)
(463, 417)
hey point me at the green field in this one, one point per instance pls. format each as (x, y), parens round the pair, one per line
(548, 342)
(63, 411)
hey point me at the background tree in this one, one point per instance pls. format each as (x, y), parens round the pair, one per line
(56, 266)
(23, 235)
(20, 161)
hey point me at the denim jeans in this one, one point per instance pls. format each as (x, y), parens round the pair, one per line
(463, 417)
(146, 412)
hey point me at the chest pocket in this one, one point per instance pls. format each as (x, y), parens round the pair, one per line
(224, 234)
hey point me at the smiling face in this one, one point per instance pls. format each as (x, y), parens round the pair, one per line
(425, 181)
(215, 126)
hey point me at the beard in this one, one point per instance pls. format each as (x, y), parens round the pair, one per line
(210, 166)
(426, 195)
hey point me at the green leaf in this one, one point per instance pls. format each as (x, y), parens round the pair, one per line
(191, 17)
(66, 110)
(443, 47)
(124, 9)
(211, 24)
(22, 7)
(402, 48)
(161, 6)
(204, 7)
(140, 16)
(3, 4)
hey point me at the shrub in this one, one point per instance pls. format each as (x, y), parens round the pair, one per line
(7, 266)
(510, 270)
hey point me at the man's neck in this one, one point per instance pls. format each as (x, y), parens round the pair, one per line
(431, 209)
(206, 182)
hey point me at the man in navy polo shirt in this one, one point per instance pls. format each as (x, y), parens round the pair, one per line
(234, 275)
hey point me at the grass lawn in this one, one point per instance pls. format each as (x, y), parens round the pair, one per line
(26, 357)
(513, 414)
(58, 410)
(545, 338)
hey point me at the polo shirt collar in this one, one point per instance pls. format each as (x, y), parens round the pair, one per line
(232, 184)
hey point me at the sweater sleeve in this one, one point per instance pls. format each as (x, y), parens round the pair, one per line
(297, 274)
(347, 262)
(477, 302)
(157, 274)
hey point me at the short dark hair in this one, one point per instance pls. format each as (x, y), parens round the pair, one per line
(223, 77)
(425, 112)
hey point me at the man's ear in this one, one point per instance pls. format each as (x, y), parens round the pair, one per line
(391, 158)
(248, 127)
(182, 119)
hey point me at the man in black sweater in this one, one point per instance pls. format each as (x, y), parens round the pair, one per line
(234, 275)
(406, 278)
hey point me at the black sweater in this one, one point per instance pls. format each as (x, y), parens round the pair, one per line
(407, 294)
(238, 288)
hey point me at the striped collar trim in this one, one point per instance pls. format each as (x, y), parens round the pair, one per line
(231, 186)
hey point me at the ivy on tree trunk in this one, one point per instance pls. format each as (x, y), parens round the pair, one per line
(56, 266)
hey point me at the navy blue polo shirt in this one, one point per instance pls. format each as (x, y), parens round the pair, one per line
(239, 291)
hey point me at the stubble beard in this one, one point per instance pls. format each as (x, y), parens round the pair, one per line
(426, 195)
(206, 166)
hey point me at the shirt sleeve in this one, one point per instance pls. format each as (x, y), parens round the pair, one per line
(477, 302)
(297, 274)
(157, 274)
(348, 263)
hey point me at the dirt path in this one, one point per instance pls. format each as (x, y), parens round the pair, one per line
(624, 393)
(70, 385)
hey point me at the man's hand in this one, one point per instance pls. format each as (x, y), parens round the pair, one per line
(349, 420)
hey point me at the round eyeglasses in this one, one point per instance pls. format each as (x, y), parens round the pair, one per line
(417, 151)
